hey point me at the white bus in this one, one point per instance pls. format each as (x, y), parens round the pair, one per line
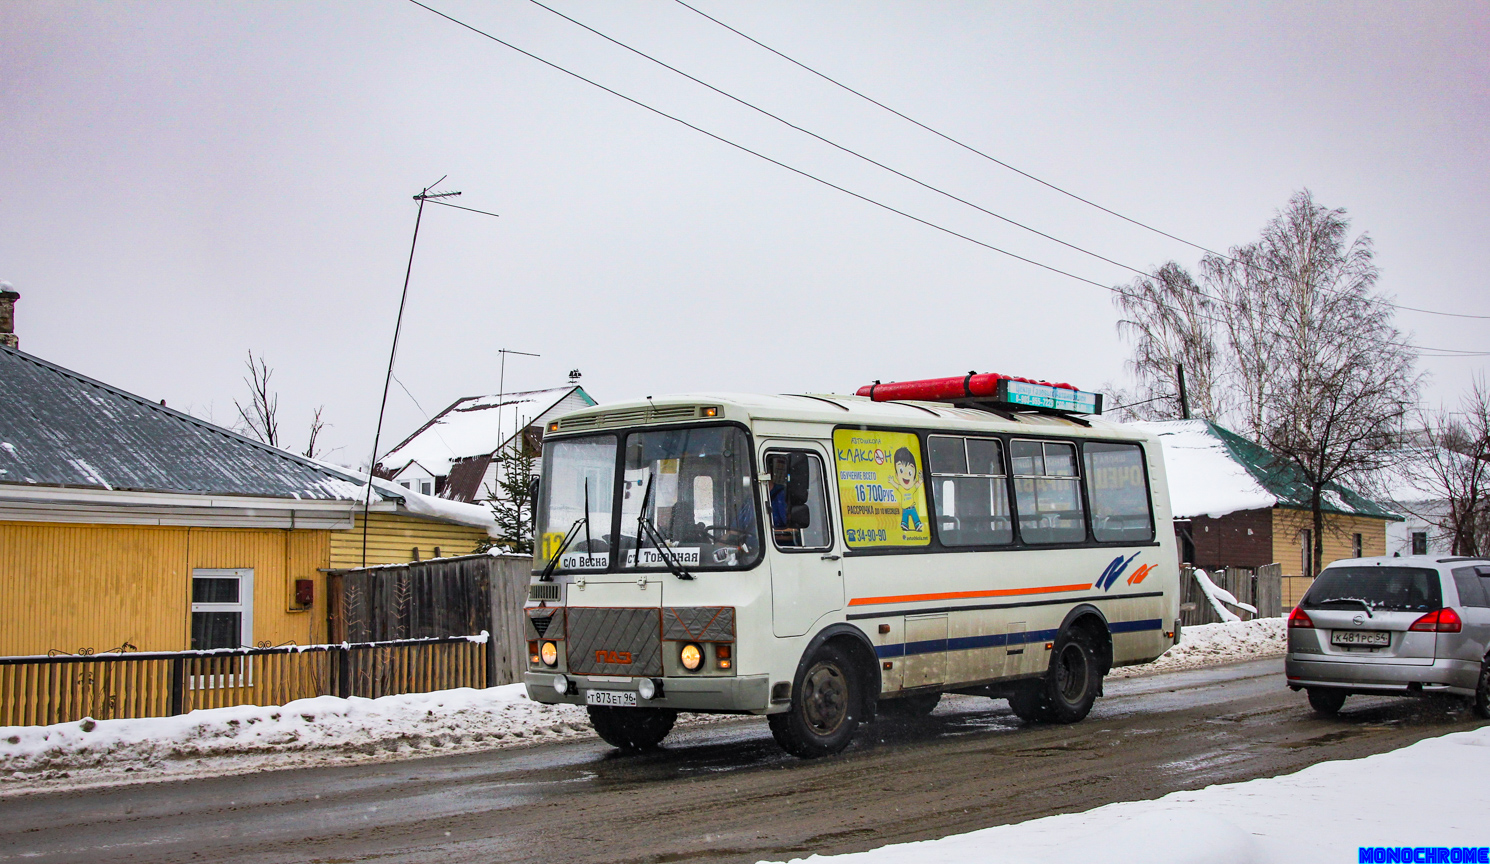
(821, 558)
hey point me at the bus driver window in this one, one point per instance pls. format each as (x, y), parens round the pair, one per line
(798, 504)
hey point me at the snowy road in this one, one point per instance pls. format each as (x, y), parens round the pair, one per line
(725, 792)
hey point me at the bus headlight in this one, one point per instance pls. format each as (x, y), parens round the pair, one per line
(646, 688)
(561, 685)
(550, 654)
(692, 657)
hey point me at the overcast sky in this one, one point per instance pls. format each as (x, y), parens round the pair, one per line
(181, 183)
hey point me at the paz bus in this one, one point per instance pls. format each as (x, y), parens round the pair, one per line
(821, 559)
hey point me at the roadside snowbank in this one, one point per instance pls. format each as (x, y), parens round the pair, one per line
(1209, 644)
(1427, 794)
(320, 731)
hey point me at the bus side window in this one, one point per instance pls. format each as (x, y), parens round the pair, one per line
(797, 525)
(972, 500)
(1047, 492)
(1118, 494)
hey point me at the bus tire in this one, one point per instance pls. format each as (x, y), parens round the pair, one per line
(825, 707)
(910, 707)
(632, 728)
(1326, 701)
(1069, 687)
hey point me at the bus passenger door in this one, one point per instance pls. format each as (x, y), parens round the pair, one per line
(806, 571)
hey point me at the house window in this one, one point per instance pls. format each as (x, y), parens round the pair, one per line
(426, 487)
(1306, 549)
(407, 484)
(221, 609)
(1355, 545)
(1420, 542)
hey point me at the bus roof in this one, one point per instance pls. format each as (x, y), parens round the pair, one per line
(834, 410)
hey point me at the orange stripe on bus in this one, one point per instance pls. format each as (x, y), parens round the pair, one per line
(967, 595)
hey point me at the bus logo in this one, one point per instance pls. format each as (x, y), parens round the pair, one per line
(615, 658)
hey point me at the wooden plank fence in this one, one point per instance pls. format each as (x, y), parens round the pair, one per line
(1261, 587)
(37, 691)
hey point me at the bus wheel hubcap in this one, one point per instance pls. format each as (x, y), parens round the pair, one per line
(825, 698)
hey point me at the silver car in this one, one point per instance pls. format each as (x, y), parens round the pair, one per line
(1384, 626)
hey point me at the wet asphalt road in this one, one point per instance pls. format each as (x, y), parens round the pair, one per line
(725, 792)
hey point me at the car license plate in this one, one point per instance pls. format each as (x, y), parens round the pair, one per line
(611, 698)
(1361, 637)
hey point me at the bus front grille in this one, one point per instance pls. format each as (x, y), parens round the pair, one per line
(615, 641)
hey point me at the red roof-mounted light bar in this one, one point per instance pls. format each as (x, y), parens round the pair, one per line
(989, 388)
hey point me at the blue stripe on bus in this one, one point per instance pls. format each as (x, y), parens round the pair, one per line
(968, 643)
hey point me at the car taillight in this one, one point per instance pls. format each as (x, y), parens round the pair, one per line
(1298, 618)
(1442, 621)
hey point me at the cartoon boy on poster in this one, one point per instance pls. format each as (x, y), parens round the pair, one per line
(907, 480)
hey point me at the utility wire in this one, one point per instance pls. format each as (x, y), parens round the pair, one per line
(784, 165)
(836, 145)
(1001, 163)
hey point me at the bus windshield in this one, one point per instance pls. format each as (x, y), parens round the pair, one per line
(698, 490)
(699, 498)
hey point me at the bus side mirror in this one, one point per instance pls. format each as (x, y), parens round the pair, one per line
(798, 516)
(797, 474)
(533, 486)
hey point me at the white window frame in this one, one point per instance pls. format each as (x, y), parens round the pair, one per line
(244, 606)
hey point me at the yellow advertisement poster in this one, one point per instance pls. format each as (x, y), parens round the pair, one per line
(879, 483)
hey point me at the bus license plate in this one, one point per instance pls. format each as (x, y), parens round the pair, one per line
(611, 698)
(1361, 637)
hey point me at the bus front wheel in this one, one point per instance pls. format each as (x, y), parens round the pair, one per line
(825, 707)
(632, 728)
(1070, 686)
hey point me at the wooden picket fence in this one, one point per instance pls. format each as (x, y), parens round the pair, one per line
(58, 689)
(1260, 587)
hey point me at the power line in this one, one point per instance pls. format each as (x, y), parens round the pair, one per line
(791, 168)
(836, 145)
(1006, 165)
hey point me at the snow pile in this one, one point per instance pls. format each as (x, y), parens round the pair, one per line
(1218, 595)
(1204, 479)
(1209, 644)
(322, 730)
(1428, 794)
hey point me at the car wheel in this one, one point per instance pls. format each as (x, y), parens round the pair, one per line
(632, 728)
(1481, 703)
(825, 707)
(910, 707)
(1326, 701)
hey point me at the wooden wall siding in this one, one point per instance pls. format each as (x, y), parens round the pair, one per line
(510, 577)
(391, 539)
(1243, 539)
(75, 587)
(427, 600)
(1337, 537)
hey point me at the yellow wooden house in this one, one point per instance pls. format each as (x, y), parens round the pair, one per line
(125, 524)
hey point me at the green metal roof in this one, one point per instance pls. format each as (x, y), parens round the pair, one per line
(1287, 483)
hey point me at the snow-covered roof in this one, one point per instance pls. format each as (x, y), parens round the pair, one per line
(1204, 478)
(1409, 478)
(1214, 471)
(480, 425)
(422, 505)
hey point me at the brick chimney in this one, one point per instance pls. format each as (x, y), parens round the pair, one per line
(8, 298)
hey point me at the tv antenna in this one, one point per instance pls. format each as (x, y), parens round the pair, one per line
(425, 195)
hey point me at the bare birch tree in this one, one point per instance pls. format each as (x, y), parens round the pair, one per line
(260, 417)
(1325, 379)
(1171, 322)
(1456, 470)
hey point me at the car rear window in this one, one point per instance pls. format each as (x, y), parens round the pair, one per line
(1392, 589)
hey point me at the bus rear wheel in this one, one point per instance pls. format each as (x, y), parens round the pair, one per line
(825, 707)
(1070, 686)
(910, 707)
(632, 728)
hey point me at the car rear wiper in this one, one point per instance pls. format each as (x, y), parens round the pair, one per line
(1362, 603)
(644, 527)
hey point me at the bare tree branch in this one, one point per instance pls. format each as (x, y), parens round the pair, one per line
(259, 417)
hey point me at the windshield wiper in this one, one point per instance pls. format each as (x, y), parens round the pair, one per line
(548, 571)
(644, 527)
(1363, 603)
